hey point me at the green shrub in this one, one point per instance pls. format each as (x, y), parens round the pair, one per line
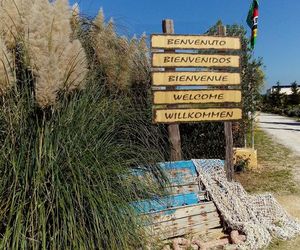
(65, 173)
(293, 111)
(68, 147)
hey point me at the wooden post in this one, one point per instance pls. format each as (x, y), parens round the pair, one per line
(229, 168)
(173, 129)
(252, 114)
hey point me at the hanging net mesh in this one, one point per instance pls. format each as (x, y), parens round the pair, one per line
(259, 217)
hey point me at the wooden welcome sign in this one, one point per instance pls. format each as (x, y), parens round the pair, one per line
(195, 42)
(209, 73)
(184, 60)
(197, 96)
(197, 115)
(195, 78)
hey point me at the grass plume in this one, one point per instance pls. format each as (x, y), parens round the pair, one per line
(6, 69)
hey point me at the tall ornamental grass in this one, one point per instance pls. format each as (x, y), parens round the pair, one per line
(66, 179)
(69, 147)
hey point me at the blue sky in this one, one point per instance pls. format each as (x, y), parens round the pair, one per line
(279, 25)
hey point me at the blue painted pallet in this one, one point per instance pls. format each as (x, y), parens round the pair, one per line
(148, 206)
(186, 210)
(180, 173)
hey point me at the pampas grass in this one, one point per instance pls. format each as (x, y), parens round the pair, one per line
(122, 62)
(57, 62)
(7, 78)
(67, 157)
(14, 17)
(66, 176)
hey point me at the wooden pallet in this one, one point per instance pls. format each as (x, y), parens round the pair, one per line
(187, 210)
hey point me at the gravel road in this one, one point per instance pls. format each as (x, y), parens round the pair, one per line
(285, 131)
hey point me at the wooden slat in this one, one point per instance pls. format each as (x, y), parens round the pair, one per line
(185, 60)
(196, 96)
(187, 221)
(196, 115)
(190, 188)
(177, 78)
(159, 41)
(164, 203)
(181, 177)
(212, 233)
(208, 235)
(176, 232)
(180, 173)
(182, 212)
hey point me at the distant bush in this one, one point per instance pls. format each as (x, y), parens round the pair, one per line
(293, 111)
(281, 103)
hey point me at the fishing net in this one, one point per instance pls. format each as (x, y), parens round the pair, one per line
(259, 217)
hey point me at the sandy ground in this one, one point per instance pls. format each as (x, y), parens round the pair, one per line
(285, 131)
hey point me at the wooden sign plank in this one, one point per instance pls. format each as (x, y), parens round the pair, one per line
(197, 96)
(160, 41)
(196, 115)
(195, 78)
(186, 60)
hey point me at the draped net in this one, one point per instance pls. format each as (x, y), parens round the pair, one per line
(259, 217)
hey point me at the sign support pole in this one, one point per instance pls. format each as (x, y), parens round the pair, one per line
(229, 168)
(173, 129)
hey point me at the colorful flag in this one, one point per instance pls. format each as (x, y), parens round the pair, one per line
(252, 21)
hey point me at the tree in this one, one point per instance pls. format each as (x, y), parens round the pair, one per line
(252, 76)
(276, 97)
(294, 98)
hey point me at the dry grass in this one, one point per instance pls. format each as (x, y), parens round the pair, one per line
(40, 39)
(285, 245)
(276, 168)
(277, 175)
(123, 62)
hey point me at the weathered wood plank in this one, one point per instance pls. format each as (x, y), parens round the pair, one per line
(176, 78)
(197, 96)
(212, 233)
(196, 115)
(176, 232)
(159, 41)
(164, 203)
(208, 235)
(181, 212)
(173, 129)
(186, 221)
(190, 188)
(180, 173)
(185, 60)
(181, 177)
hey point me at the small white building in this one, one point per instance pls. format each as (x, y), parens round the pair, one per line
(283, 89)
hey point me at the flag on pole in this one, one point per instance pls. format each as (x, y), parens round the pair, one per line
(252, 21)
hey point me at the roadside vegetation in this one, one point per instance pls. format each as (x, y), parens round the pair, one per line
(71, 131)
(210, 134)
(278, 174)
(75, 123)
(275, 171)
(282, 104)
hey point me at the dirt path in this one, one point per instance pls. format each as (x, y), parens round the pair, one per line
(286, 131)
(283, 154)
